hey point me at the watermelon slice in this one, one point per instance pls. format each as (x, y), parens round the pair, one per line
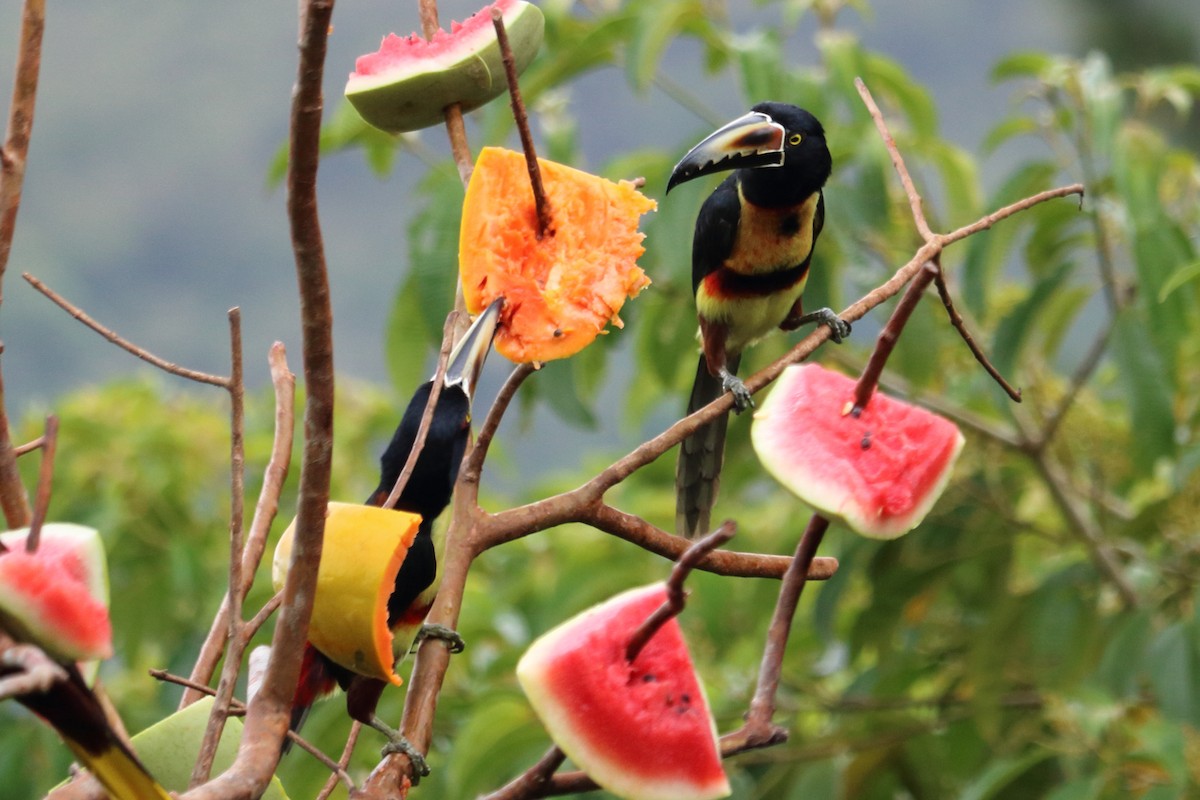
(879, 472)
(57, 596)
(410, 80)
(641, 730)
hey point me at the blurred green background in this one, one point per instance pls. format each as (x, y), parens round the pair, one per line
(985, 655)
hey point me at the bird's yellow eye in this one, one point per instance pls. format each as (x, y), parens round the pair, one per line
(795, 138)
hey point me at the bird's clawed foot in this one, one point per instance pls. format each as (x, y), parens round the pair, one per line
(839, 329)
(741, 395)
(454, 642)
(398, 744)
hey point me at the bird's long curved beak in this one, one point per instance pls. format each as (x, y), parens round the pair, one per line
(467, 358)
(752, 140)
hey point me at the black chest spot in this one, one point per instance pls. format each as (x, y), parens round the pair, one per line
(789, 225)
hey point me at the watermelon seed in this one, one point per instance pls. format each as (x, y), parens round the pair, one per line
(648, 678)
(866, 441)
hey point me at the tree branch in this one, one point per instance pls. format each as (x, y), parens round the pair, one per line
(270, 709)
(264, 513)
(125, 344)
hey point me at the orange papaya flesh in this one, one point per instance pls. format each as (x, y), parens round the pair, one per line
(562, 290)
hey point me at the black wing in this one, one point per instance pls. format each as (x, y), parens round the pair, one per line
(716, 229)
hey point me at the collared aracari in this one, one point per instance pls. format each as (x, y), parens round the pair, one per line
(751, 252)
(427, 493)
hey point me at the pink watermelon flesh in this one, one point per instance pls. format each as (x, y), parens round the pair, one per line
(44, 602)
(408, 83)
(396, 50)
(880, 472)
(641, 730)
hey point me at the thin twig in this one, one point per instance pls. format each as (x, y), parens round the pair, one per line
(41, 505)
(14, 501)
(255, 623)
(676, 596)
(238, 709)
(1079, 378)
(534, 781)
(124, 344)
(455, 128)
(961, 326)
(762, 707)
(544, 220)
(339, 774)
(202, 769)
(473, 463)
(264, 513)
(890, 335)
(729, 563)
(914, 199)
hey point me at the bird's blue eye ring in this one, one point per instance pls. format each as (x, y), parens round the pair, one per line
(795, 138)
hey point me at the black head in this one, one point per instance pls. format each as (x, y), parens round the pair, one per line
(775, 143)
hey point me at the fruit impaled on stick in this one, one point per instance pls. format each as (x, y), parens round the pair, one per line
(640, 729)
(564, 286)
(56, 599)
(364, 549)
(879, 470)
(407, 84)
(57, 596)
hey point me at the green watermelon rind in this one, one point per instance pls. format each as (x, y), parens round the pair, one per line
(470, 71)
(799, 469)
(67, 553)
(563, 722)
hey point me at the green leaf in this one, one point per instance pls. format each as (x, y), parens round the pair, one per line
(1023, 65)
(557, 382)
(433, 247)
(1009, 129)
(1147, 388)
(759, 58)
(408, 345)
(960, 179)
(1182, 276)
(1079, 789)
(493, 734)
(1015, 329)
(658, 24)
(887, 79)
(1173, 661)
(1001, 773)
(987, 251)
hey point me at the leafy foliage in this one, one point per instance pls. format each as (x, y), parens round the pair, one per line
(1037, 636)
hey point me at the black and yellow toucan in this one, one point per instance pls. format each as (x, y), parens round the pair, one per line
(427, 492)
(751, 254)
(70, 706)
